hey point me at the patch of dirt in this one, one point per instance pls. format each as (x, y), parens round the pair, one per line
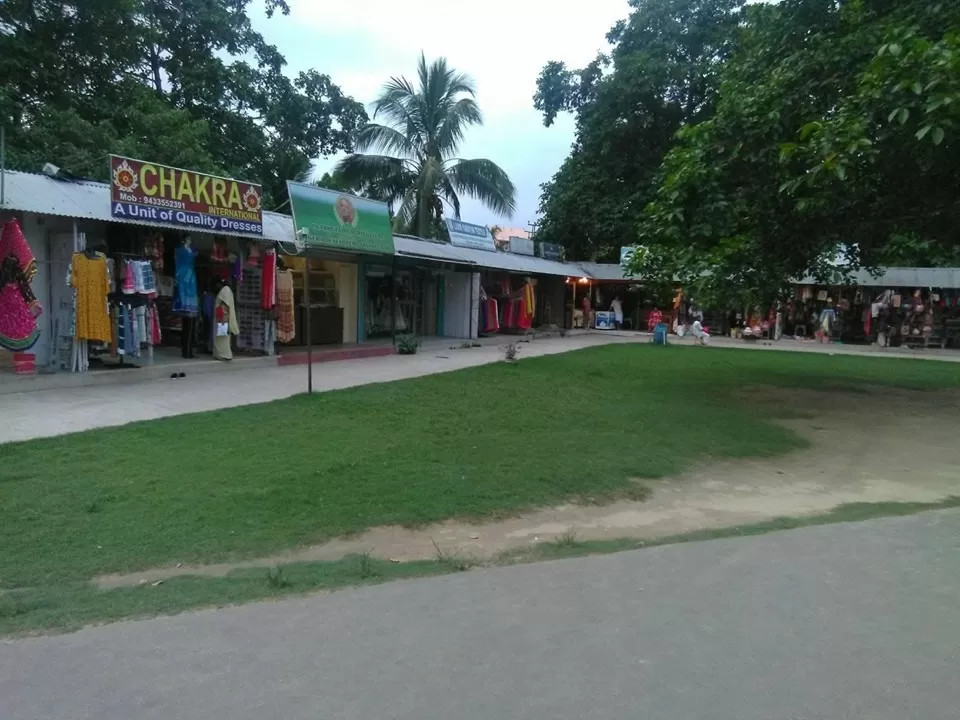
(883, 445)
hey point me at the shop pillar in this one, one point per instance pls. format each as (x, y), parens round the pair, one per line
(361, 299)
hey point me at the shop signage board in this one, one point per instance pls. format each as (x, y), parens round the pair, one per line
(335, 220)
(521, 246)
(468, 235)
(549, 251)
(152, 192)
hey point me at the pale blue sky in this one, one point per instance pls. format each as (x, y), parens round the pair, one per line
(502, 44)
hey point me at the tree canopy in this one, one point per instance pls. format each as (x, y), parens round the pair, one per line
(629, 104)
(184, 82)
(413, 163)
(806, 136)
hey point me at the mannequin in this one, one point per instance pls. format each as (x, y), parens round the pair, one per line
(185, 301)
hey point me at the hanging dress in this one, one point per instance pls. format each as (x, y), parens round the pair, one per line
(225, 313)
(18, 305)
(286, 319)
(185, 301)
(268, 284)
(89, 278)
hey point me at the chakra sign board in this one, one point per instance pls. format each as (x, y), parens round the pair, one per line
(150, 192)
(335, 220)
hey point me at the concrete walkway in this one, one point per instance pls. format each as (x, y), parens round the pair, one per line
(63, 410)
(46, 413)
(842, 622)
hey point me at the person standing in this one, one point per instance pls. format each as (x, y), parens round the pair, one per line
(616, 307)
(586, 312)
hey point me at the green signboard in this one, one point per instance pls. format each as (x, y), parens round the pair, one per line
(335, 220)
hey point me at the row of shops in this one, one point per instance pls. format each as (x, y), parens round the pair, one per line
(164, 265)
(109, 277)
(894, 307)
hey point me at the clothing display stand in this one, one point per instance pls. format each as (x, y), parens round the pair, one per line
(149, 302)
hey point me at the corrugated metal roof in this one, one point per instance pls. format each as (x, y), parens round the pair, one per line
(29, 192)
(902, 277)
(409, 246)
(511, 262)
(605, 271)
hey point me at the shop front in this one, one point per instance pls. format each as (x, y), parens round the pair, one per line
(161, 265)
(343, 257)
(894, 307)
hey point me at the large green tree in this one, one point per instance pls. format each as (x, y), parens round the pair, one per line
(833, 146)
(187, 82)
(413, 163)
(661, 74)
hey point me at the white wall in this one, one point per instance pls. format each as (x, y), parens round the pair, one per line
(459, 313)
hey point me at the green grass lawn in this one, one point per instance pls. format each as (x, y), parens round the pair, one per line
(477, 443)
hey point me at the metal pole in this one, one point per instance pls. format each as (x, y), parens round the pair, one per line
(573, 309)
(393, 301)
(470, 309)
(306, 297)
(3, 165)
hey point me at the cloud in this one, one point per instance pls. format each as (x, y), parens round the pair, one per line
(502, 44)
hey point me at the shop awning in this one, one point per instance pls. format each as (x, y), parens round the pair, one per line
(411, 247)
(483, 259)
(606, 272)
(86, 200)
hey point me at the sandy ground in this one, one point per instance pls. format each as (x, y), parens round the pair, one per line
(879, 446)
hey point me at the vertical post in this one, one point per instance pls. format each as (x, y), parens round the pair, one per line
(470, 308)
(441, 302)
(636, 328)
(3, 165)
(306, 297)
(573, 308)
(393, 301)
(361, 300)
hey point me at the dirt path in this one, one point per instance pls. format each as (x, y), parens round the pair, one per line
(879, 446)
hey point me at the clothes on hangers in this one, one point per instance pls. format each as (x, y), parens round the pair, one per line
(185, 300)
(529, 300)
(491, 316)
(286, 317)
(268, 281)
(88, 276)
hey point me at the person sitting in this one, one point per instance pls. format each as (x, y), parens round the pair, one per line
(654, 319)
(698, 331)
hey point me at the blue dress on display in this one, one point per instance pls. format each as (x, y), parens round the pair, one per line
(185, 301)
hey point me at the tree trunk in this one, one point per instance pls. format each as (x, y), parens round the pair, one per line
(155, 66)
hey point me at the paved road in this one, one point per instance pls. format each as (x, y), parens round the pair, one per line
(829, 623)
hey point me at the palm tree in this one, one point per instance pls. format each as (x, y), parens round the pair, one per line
(415, 168)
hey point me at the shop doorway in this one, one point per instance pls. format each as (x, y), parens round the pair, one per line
(408, 294)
